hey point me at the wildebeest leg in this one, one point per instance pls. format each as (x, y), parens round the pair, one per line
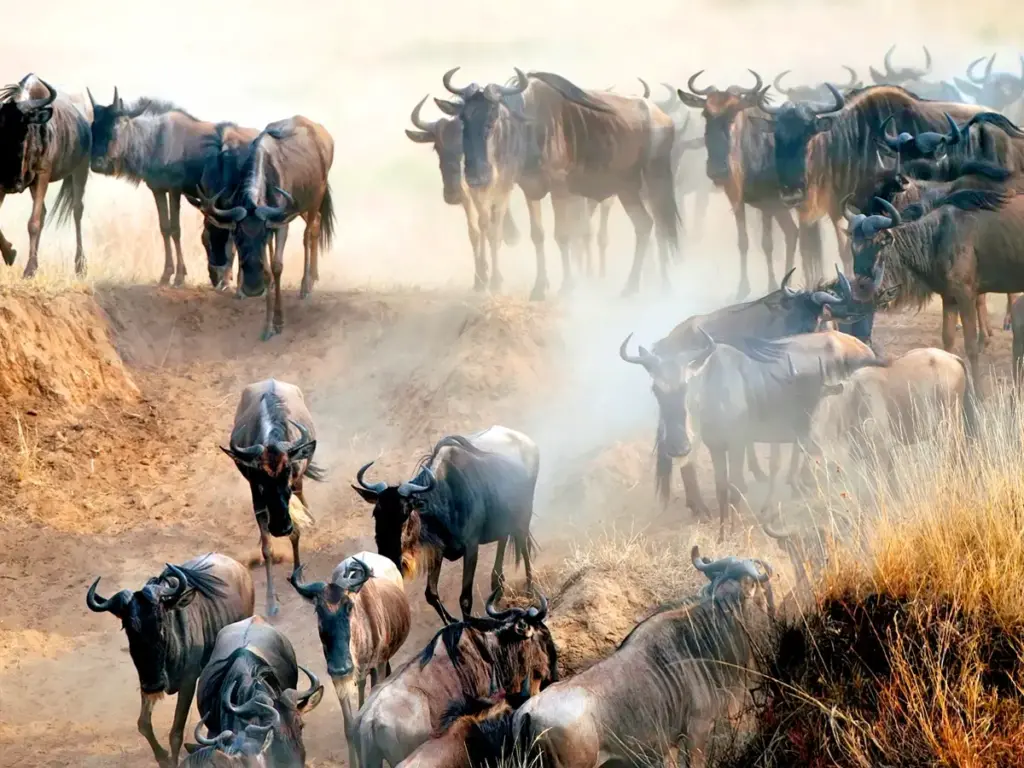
(720, 462)
(1007, 318)
(737, 484)
(790, 235)
(768, 247)
(950, 313)
(602, 237)
(78, 180)
(163, 214)
(311, 245)
(739, 212)
(755, 467)
(6, 249)
(433, 575)
(468, 572)
(495, 232)
(691, 489)
(476, 243)
(276, 267)
(267, 548)
(524, 546)
(643, 223)
(145, 725)
(540, 283)
(35, 222)
(565, 227)
(969, 313)
(181, 709)
(497, 575)
(174, 227)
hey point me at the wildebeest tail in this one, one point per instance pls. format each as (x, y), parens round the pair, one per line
(511, 231)
(65, 203)
(977, 199)
(327, 219)
(662, 473)
(522, 547)
(315, 472)
(661, 191)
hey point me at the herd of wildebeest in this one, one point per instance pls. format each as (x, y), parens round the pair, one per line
(920, 185)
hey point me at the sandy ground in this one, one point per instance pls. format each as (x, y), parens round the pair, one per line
(392, 350)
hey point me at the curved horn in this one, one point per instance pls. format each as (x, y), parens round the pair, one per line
(308, 591)
(495, 613)
(376, 487)
(710, 342)
(179, 590)
(928, 61)
(450, 108)
(854, 80)
(354, 581)
(32, 105)
(777, 83)
(314, 684)
(758, 83)
(888, 61)
(540, 612)
(698, 562)
(521, 82)
(883, 130)
(224, 737)
(891, 210)
(92, 101)
(776, 533)
(409, 487)
(824, 298)
(418, 121)
(840, 102)
(301, 441)
(99, 604)
(954, 130)
(645, 358)
(446, 80)
(844, 284)
(246, 454)
(694, 90)
(259, 731)
(646, 87)
(245, 710)
(784, 287)
(970, 72)
(764, 106)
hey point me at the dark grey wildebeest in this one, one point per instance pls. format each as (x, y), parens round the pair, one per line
(284, 176)
(44, 137)
(160, 145)
(676, 674)
(172, 625)
(272, 444)
(249, 700)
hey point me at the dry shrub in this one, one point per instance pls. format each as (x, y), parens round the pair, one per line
(914, 656)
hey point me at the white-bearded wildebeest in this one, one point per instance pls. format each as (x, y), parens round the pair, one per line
(971, 242)
(913, 79)
(510, 651)
(44, 137)
(272, 444)
(284, 176)
(172, 625)
(551, 137)
(998, 91)
(675, 675)
(471, 490)
(819, 92)
(250, 703)
(740, 161)
(728, 396)
(363, 619)
(467, 735)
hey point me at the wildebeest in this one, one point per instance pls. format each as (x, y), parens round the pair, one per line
(550, 136)
(968, 244)
(363, 619)
(913, 79)
(284, 176)
(740, 161)
(728, 396)
(809, 540)
(172, 625)
(997, 91)
(510, 651)
(470, 490)
(272, 444)
(819, 92)
(467, 736)
(674, 676)
(44, 137)
(253, 676)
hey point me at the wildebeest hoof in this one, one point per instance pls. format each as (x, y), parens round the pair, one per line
(179, 280)
(10, 256)
(268, 334)
(743, 291)
(273, 610)
(30, 271)
(539, 292)
(630, 289)
(165, 278)
(1006, 325)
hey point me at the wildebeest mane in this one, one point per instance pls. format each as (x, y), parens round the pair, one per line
(200, 579)
(451, 636)
(759, 349)
(570, 91)
(146, 105)
(977, 199)
(471, 706)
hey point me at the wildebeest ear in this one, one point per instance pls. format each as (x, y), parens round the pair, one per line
(175, 603)
(420, 137)
(824, 123)
(302, 452)
(39, 116)
(762, 124)
(368, 496)
(311, 702)
(690, 100)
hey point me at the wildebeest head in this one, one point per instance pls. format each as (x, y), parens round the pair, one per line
(144, 617)
(396, 515)
(271, 469)
(997, 91)
(670, 378)
(333, 604)
(869, 237)
(20, 124)
(524, 634)
(927, 145)
(719, 109)
(894, 76)
(479, 115)
(818, 92)
(445, 134)
(750, 576)
(794, 125)
(216, 239)
(108, 122)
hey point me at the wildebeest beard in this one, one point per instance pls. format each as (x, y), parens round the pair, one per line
(147, 640)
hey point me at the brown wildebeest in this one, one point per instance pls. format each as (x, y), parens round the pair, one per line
(44, 137)
(470, 490)
(283, 176)
(675, 675)
(728, 396)
(913, 79)
(466, 735)
(998, 90)
(272, 444)
(172, 625)
(512, 651)
(819, 92)
(740, 162)
(971, 242)
(363, 619)
(532, 134)
(252, 676)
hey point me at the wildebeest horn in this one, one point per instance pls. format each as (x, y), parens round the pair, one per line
(418, 121)
(446, 80)
(891, 210)
(521, 82)
(854, 80)
(92, 101)
(701, 564)
(224, 737)
(671, 102)
(698, 91)
(376, 487)
(450, 108)
(895, 144)
(764, 106)
(888, 61)
(646, 87)
(844, 284)
(314, 685)
(758, 84)
(31, 105)
(928, 60)
(792, 368)
(249, 708)
(539, 612)
(776, 533)
(100, 605)
(840, 102)
(784, 285)
(354, 581)
(245, 454)
(954, 130)
(645, 358)
(300, 443)
(710, 342)
(308, 591)
(169, 594)
(777, 83)
(825, 298)
(276, 214)
(259, 731)
(494, 613)
(409, 487)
